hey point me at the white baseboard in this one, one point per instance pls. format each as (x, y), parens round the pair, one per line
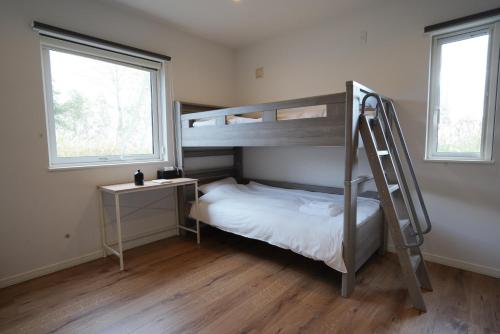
(155, 235)
(129, 242)
(455, 263)
(45, 270)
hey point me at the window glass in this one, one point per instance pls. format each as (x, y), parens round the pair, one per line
(100, 108)
(462, 92)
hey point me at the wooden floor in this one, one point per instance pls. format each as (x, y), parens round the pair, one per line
(234, 285)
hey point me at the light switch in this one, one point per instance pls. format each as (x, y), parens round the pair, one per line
(259, 72)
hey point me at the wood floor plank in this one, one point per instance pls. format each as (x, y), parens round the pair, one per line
(235, 285)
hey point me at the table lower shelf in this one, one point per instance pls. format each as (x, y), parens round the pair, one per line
(188, 229)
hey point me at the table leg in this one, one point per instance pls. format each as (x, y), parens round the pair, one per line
(197, 213)
(119, 229)
(180, 215)
(104, 238)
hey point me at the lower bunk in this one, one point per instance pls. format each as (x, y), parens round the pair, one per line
(309, 223)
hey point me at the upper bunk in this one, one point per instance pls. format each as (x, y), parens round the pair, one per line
(311, 121)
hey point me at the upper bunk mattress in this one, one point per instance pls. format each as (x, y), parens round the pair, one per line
(308, 223)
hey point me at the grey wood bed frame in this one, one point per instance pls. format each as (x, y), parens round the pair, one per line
(338, 128)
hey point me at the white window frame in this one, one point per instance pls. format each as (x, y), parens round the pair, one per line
(490, 103)
(160, 100)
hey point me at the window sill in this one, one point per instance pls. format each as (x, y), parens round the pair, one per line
(456, 161)
(107, 165)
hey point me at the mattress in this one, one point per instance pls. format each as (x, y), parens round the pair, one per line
(281, 115)
(276, 216)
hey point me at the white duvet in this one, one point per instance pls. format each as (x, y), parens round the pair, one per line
(273, 215)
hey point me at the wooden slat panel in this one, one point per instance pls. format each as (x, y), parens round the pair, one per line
(207, 152)
(303, 102)
(208, 175)
(188, 108)
(315, 131)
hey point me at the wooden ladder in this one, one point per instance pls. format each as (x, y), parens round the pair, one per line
(398, 201)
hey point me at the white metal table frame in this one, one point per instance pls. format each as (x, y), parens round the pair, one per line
(127, 188)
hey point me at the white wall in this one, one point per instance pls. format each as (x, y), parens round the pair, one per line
(37, 207)
(463, 199)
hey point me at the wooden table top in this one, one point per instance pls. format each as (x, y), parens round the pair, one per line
(148, 185)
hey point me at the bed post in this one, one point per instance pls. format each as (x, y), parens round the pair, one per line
(179, 158)
(238, 164)
(350, 188)
(179, 162)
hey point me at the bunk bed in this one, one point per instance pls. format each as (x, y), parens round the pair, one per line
(327, 120)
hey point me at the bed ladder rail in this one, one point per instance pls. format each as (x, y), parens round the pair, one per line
(396, 197)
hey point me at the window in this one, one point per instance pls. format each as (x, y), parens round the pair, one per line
(102, 107)
(462, 98)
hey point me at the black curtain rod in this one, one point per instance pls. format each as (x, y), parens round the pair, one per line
(463, 20)
(42, 27)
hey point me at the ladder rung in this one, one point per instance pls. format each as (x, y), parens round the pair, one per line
(382, 153)
(408, 231)
(403, 223)
(415, 261)
(393, 187)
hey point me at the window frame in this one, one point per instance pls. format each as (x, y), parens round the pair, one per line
(490, 102)
(159, 104)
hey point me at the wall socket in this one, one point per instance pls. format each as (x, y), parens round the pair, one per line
(259, 72)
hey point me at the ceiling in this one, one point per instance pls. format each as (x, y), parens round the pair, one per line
(239, 23)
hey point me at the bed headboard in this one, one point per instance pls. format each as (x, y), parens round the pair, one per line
(213, 174)
(207, 175)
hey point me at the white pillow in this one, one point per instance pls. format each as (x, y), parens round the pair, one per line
(214, 185)
(260, 185)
